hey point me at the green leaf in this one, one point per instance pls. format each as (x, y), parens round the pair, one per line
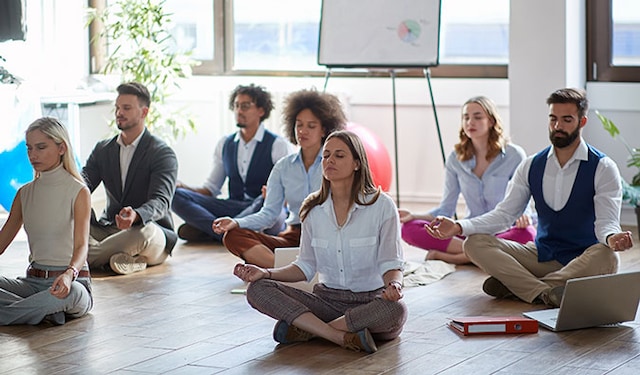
(631, 193)
(141, 51)
(608, 125)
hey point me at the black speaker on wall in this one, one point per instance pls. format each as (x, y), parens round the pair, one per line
(12, 20)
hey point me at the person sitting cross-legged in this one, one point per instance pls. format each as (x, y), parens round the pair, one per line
(351, 238)
(578, 195)
(310, 116)
(138, 171)
(245, 159)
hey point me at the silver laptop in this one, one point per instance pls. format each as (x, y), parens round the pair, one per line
(593, 301)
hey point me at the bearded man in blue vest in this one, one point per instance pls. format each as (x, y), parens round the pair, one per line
(578, 195)
(245, 158)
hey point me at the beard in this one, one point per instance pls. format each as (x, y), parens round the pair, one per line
(125, 125)
(562, 142)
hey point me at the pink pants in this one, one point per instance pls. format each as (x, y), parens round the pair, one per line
(414, 234)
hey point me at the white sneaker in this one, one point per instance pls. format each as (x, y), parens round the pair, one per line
(125, 264)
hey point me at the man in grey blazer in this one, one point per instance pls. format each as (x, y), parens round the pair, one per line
(138, 171)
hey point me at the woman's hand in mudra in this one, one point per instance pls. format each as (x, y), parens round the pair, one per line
(249, 272)
(442, 228)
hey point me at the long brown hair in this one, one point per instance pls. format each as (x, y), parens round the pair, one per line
(362, 181)
(496, 141)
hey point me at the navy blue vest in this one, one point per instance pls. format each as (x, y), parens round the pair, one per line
(565, 234)
(259, 167)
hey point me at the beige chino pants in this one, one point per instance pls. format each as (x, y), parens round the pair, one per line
(144, 240)
(517, 267)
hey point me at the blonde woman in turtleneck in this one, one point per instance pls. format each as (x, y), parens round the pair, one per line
(55, 210)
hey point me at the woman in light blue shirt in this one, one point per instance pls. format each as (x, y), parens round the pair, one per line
(480, 168)
(309, 117)
(351, 239)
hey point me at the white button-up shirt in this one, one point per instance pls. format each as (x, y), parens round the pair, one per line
(557, 184)
(217, 177)
(355, 256)
(126, 155)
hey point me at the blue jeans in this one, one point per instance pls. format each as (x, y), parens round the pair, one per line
(199, 211)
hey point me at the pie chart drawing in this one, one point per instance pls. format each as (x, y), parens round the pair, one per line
(409, 31)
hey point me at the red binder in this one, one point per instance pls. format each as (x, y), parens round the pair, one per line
(493, 325)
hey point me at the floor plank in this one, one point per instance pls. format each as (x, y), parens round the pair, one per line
(180, 318)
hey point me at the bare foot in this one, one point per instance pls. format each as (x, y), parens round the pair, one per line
(447, 257)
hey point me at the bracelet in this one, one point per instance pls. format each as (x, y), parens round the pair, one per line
(269, 271)
(395, 282)
(75, 272)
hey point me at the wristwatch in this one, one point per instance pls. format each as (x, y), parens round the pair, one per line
(75, 272)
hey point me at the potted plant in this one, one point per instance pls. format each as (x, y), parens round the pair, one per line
(140, 49)
(630, 191)
(5, 76)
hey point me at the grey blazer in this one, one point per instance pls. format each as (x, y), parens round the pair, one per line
(149, 185)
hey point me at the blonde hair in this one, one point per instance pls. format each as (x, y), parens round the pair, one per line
(362, 181)
(54, 129)
(496, 141)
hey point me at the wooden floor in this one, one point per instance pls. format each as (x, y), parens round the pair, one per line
(180, 318)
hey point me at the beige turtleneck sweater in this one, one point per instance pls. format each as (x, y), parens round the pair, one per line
(47, 212)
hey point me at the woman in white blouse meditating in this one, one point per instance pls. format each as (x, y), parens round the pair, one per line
(351, 238)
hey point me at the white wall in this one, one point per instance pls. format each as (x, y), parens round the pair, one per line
(540, 62)
(552, 57)
(619, 102)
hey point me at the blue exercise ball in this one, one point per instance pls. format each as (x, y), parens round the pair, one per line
(15, 172)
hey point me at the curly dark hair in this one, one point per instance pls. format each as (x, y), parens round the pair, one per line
(260, 96)
(326, 107)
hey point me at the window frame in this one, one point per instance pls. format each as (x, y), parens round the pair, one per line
(218, 64)
(224, 56)
(439, 71)
(98, 48)
(599, 46)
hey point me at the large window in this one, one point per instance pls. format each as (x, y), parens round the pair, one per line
(276, 36)
(474, 32)
(282, 35)
(613, 40)
(198, 26)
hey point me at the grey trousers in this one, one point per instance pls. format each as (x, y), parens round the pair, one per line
(384, 319)
(26, 300)
(517, 267)
(147, 240)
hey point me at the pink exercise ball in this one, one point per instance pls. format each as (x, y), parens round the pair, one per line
(377, 154)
